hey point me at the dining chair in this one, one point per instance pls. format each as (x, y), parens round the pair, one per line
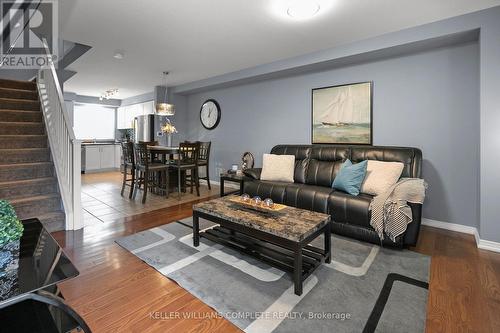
(154, 157)
(187, 161)
(204, 159)
(151, 175)
(128, 162)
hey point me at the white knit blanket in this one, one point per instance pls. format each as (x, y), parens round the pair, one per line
(390, 211)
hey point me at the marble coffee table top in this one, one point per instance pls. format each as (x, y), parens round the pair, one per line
(291, 223)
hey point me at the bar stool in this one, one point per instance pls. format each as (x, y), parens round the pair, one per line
(128, 162)
(154, 157)
(204, 159)
(188, 161)
(150, 175)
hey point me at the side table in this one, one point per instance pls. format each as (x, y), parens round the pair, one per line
(234, 178)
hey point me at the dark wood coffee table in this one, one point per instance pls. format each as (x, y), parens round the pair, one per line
(279, 238)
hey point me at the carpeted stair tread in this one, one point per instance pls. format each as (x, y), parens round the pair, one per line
(35, 198)
(21, 116)
(27, 164)
(16, 84)
(28, 181)
(7, 109)
(19, 123)
(24, 141)
(24, 171)
(35, 206)
(16, 93)
(6, 150)
(19, 104)
(28, 187)
(24, 155)
(21, 128)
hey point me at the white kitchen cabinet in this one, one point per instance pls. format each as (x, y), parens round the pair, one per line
(107, 157)
(125, 117)
(101, 157)
(148, 108)
(135, 111)
(118, 156)
(126, 114)
(121, 118)
(92, 158)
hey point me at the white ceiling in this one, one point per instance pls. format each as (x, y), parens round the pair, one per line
(197, 39)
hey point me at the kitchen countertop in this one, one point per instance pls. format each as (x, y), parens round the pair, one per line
(100, 143)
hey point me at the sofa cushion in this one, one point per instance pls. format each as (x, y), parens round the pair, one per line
(278, 168)
(324, 164)
(350, 177)
(380, 176)
(301, 153)
(265, 189)
(308, 197)
(345, 208)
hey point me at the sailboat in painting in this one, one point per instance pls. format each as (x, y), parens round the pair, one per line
(342, 114)
(341, 111)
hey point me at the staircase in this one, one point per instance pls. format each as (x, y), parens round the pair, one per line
(27, 177)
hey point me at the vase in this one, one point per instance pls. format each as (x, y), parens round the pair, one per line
(169, 140)
(9, 257)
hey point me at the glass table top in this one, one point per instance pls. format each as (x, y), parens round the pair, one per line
(42, 264)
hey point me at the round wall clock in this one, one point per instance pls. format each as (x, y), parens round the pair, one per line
(210, 114)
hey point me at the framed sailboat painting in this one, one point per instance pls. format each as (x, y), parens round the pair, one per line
(342, 114)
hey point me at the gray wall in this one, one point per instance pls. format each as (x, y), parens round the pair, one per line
(137, 99)
(428, 100)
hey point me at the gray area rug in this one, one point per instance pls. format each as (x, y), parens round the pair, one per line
(366, 288)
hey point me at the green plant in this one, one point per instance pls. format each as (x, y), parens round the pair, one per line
(11, 229)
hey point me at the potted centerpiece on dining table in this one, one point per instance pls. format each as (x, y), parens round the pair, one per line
(11, 230)
(169, 129)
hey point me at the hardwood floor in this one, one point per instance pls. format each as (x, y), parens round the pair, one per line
(116, 292)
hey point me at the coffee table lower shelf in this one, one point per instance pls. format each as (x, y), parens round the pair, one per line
(297, 258)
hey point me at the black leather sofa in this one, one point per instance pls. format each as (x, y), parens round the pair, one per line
(315, 169)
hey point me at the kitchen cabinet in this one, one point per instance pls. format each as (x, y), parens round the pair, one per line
(118, 156)
(121, 117)
(92, 158)
(126, 114)
(99, 157)
(148, 108)
(107, 157)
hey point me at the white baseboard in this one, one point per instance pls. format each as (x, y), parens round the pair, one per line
(488, 245)
(465, 229)
(481, 243)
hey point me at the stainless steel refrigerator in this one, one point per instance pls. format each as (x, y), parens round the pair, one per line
(148, 128)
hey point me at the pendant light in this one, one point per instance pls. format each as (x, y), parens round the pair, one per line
(163, 108)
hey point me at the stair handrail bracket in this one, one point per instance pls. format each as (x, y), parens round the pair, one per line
(64, 147)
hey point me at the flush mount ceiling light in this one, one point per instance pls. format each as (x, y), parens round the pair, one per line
(300, 10)
(303, 9)
(118, 55)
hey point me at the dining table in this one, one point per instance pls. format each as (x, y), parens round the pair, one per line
(168, 153)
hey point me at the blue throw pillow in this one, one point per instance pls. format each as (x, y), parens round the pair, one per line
(350, 177)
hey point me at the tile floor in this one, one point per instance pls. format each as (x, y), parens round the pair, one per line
(102, 202)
